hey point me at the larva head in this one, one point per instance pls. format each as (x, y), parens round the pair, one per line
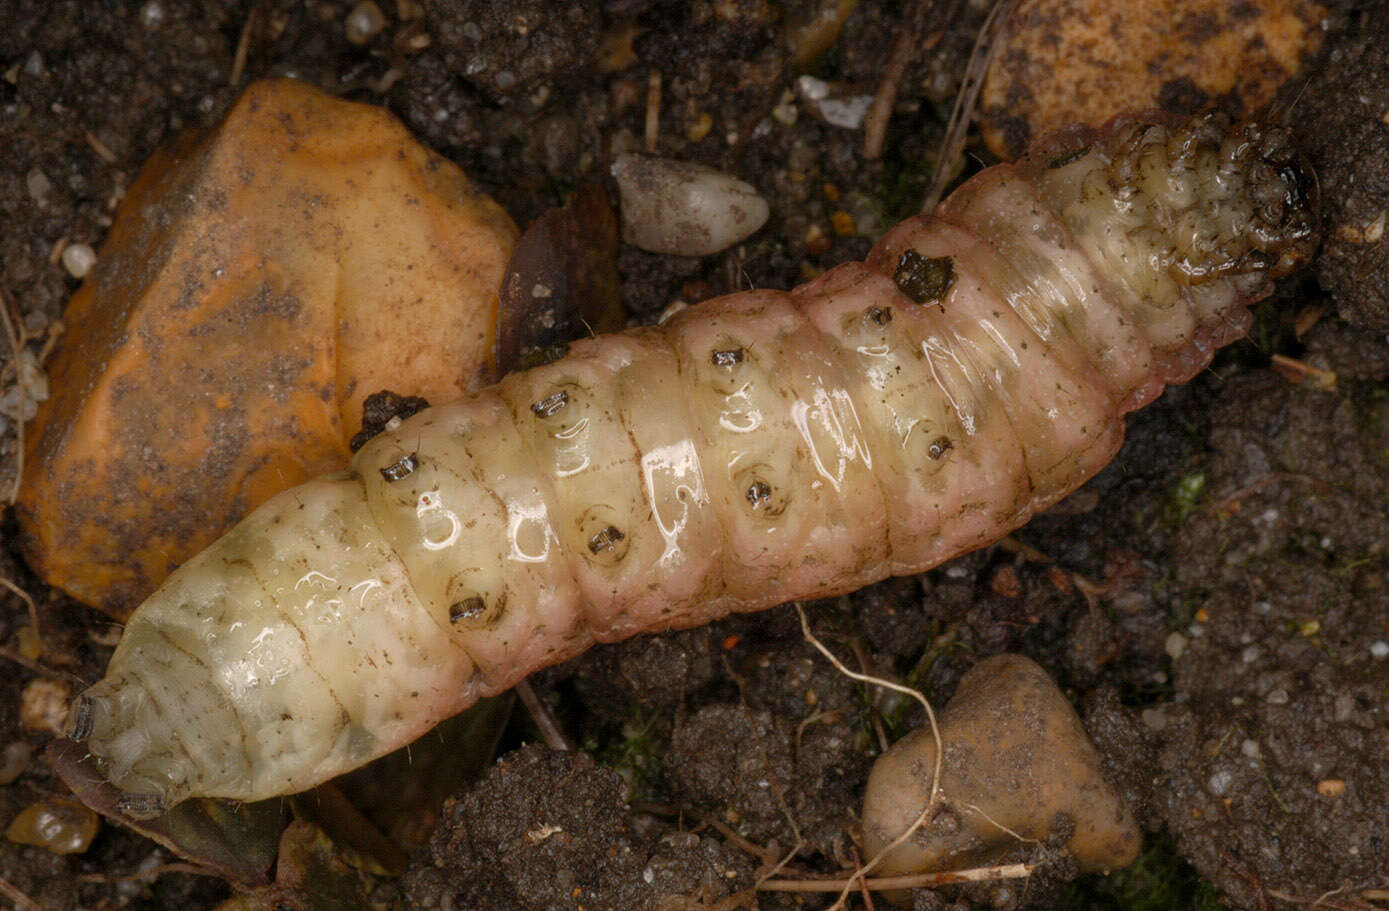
(1188, 222)
(1214, 199)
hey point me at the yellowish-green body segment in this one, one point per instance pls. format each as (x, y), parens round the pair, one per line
(762, 447)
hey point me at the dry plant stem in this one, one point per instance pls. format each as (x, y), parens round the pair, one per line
(1303, 373)
(985, 46)
(21, 901)
(912, 881)
(41, 669)
(33, 608)
(544, 718)
(100, 148)
(653, 110)
(766, 855)
(243, 44)
(152, 873)
(937, 797)
(16, 344)
(904, 50)
(862, 884)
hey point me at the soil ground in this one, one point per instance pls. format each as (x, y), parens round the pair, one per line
(1226, 645)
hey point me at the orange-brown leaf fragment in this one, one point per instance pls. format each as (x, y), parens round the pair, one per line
(260, 281)
(1084, 61)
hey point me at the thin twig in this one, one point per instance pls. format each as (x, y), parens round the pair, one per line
(937, 797)
(904, 50)
(543, 718)
(653, 110)
(17, 341)
(151, 873)
(41, 669)
(766, 855)
(33, 608)
(13, 893)
(243, 45)
(910, 881)
(985, 46)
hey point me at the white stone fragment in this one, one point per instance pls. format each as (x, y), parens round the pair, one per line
(683, 208)
(78, 259)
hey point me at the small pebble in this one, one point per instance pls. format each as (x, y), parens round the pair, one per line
(683, 208)
(43, 706)
(1250, 749)
(1220, 782)
(1154, 719)
(78, 259)
(14, 759)
(1331, 787)
(60, 826)
(1379, 649)
(152, 14)
(1277, 697)
(364, 23)
(847, 113)
(1175, 645)
(699, 127)
(38, 185)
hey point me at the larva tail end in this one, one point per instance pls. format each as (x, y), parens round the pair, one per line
(115, 724)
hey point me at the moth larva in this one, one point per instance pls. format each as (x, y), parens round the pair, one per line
(762, 447)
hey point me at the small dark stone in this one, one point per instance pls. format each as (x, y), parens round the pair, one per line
(379, 409)
(924, 279)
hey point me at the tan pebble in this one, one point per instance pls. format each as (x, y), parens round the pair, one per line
(14, 759)
(326, 293)
(1016, 756)
(1006, 583)
(43, 706)
(1069, 61)
(364, 23)
(1331, 787)
(60, 826)
(699, 127)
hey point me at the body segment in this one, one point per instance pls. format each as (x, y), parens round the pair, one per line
(762, 447)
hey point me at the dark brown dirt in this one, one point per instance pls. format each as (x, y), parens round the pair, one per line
(1345, 106)
(1243, 527)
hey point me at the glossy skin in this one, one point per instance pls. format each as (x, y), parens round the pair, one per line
(762, 447)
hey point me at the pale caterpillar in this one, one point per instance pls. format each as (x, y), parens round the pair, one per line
(762, 447)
